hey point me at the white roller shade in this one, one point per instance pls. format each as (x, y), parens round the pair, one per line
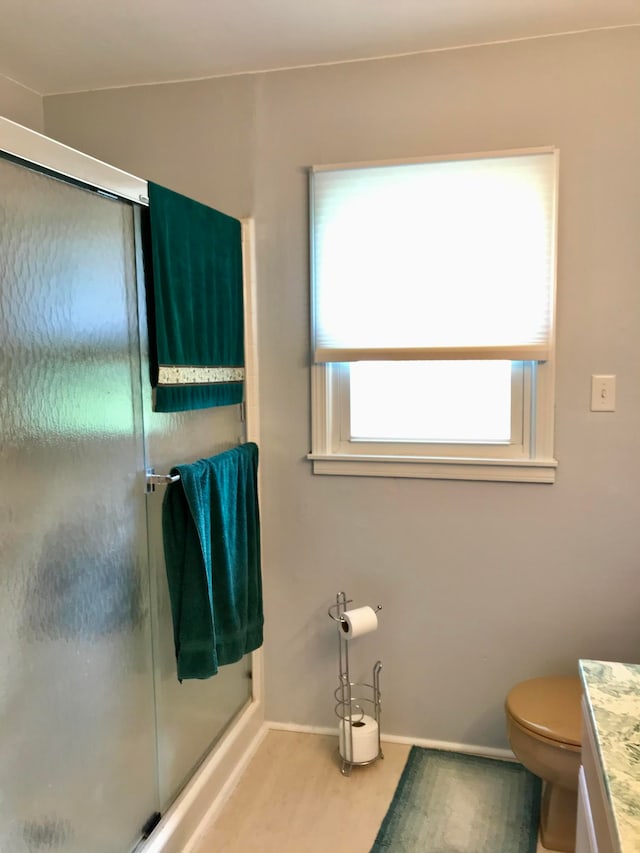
(435, 260)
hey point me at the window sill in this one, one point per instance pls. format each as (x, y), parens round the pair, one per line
(434, 468)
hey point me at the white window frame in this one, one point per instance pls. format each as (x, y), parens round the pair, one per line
(531, 460)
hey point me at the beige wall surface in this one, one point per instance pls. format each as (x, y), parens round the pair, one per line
(21, 105)
(482, 584)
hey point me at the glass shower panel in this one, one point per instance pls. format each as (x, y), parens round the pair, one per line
(77, 726)
(193, 715)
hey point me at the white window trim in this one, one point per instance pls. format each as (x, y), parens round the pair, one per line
(437, 468)
(539, 467)
(326, 458)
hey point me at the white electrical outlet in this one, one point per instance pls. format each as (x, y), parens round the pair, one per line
(603, 393)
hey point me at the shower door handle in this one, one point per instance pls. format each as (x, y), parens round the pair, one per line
(153, 480)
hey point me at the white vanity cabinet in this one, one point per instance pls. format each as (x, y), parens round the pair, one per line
(585, 833)
(595, 832)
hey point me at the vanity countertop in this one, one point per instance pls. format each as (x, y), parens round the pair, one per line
(612, 691)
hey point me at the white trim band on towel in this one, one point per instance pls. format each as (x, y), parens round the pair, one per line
(170, 375)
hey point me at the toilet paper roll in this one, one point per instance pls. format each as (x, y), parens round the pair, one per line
(361, 620)
(364, 739)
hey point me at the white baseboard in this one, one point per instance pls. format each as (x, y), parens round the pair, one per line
(450, 746)
(211, 785)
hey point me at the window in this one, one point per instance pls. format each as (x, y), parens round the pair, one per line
(433, 303)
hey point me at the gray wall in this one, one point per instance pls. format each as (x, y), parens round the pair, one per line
(196, 138)
(483, 584)
(21, 104)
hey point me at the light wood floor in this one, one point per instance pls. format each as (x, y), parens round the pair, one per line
(293, 799)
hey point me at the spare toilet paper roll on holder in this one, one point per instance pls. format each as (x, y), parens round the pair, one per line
(349, 709)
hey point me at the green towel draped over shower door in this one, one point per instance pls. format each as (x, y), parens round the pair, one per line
(211, 533)
(194, 303)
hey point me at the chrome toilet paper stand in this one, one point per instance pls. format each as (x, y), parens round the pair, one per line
(349, 706)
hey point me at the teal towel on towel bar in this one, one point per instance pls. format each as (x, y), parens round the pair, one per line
(194, 303)
(211, 533)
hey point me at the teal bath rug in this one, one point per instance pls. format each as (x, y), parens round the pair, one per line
(447, 802)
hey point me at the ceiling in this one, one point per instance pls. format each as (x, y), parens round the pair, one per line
(54, 46)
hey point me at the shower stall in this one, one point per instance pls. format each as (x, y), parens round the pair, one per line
(98, 736)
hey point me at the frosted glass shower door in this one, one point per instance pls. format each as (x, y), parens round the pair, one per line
(192, 716)
(77, 719)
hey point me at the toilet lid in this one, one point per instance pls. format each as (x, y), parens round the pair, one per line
(549, 707)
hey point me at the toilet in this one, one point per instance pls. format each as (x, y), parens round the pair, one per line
(544, 728)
